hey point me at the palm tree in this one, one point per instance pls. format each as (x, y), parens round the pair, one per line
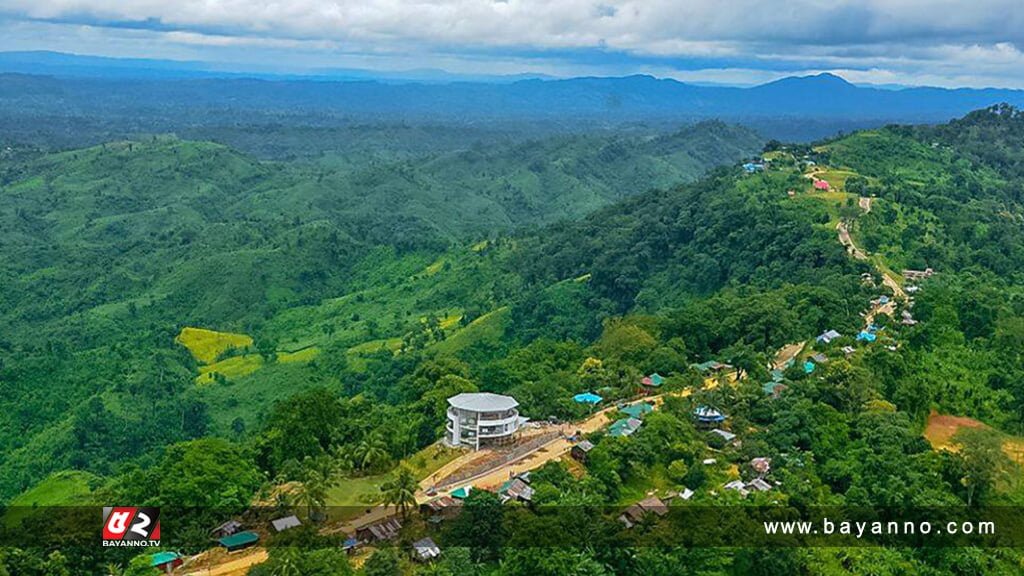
(401, 491)
(288, 564)
(114, 569)
(314, 495)
(283, 501)
(371, 451)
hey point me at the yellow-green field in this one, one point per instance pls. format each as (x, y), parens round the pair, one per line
(450, 321)
(206, 345)
(306, 355)
(234, 367)
(239, 366)
(434, 268)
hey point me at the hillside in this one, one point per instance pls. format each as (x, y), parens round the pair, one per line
(258, 350)
(111, 250)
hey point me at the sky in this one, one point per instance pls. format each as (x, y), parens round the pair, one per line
(949, 43)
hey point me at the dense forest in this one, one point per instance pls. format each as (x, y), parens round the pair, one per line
(361, 297)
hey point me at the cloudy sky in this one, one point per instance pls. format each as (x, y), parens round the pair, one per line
(915, 42)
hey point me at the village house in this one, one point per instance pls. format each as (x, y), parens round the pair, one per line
(637, 411)
(686, 494)
(708, 416)
(655, 380)
(226, 529)
(745, 488)
(635, 513)
(822, 185)
(773, 388)
(725, 434)
(481, 418)
(624, 427)
(286, 523)
(827, 336)
(738, 486)
(587, 398)
(759, 484)
(441, 507)
(711, 367)
(516, 489)
(425, 550)
(379, 532)
(582, 450)
(166, 562)
(239, 541)
(761, 465)
(915, 275)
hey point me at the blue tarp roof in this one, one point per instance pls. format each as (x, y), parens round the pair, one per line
(809, 367)
(866, 336)
(708, 414)
(587, 398)
(163, 558)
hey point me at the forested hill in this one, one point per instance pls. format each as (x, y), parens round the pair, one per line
(339, 332)
(110, 250)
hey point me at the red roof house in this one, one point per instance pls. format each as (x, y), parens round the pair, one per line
(822, 185)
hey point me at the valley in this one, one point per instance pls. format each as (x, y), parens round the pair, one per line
(288, 334)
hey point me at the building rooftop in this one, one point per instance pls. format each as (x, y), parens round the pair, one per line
(282, 524)
(426, 549)
(161, 558)
(482, 402)
(239, 539)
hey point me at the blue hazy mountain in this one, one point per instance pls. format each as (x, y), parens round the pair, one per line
(160, 95)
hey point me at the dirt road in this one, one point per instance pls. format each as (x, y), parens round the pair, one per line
(787, 353)
(559, 447)
(845, 240)
(231, 565)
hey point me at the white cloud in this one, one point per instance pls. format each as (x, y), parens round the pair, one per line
(945, 40)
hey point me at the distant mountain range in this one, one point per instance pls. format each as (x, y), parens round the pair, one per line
(791, 108)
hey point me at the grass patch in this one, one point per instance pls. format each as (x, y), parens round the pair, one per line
(71, 487)
(353, 495)
(487, 328)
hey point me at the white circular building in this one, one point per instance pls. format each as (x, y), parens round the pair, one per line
(482, 418)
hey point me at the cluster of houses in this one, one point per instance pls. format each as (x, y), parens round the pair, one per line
(757, 165)
(918, 275)
(631, 422)
(711, 367)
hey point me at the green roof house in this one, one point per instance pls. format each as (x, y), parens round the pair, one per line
(165, 561)
(637, 411)
(624, 427)
(239, 541)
